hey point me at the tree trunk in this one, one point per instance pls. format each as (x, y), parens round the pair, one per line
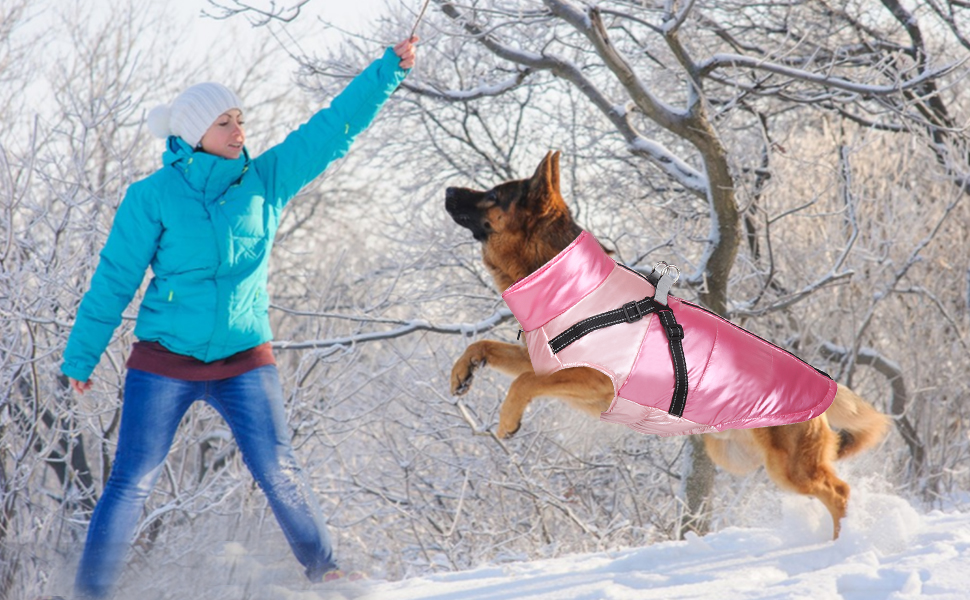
(696, 488)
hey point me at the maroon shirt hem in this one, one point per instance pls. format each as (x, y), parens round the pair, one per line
(156, 358)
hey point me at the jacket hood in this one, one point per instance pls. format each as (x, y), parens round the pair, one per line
(204, 172)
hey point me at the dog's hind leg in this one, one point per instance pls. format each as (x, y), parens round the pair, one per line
(799, 457)
(733, 450)
(584, 389)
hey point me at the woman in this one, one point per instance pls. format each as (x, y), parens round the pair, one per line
(205, 223)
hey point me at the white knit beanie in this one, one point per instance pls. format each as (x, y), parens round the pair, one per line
(192, 112)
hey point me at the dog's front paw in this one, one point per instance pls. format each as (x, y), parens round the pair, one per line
(509, 420)
(464, 370)
(505, 431)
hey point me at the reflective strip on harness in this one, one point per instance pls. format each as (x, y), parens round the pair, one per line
(629, 313)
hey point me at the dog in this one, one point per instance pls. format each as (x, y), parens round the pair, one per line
(522, 225)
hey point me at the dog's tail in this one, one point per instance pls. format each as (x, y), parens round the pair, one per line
(860, 425)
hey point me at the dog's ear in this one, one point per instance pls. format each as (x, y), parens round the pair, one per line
(544, 185)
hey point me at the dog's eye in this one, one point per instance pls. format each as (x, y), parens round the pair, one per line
(490, 200)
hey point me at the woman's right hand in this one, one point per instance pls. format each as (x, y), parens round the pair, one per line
(80, 386)
(406, 51)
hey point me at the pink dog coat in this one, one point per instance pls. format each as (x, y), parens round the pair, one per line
(725, 378)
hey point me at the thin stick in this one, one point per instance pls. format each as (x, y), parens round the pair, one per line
(424, 7)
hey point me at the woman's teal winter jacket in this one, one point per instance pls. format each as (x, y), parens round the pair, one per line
(206, 225)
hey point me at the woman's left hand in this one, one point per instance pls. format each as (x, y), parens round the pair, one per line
(406, 52)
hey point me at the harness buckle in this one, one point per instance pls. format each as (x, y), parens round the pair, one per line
(636, 315)
(675, 332)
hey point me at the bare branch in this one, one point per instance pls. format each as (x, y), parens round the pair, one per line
(484, 91)
(673, 22)
(464, 329)
(258, 17)
(736, 60)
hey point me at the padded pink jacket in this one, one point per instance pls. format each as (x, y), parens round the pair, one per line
(735, 380)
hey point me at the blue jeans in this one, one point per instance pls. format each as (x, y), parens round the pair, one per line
(252, 405)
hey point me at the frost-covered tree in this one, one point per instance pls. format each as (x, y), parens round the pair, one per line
(689, 113)
(803, 163)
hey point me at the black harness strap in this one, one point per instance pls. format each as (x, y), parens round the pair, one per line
(632, 312)
(675, 335)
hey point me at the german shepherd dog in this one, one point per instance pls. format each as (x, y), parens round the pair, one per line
(522, 225)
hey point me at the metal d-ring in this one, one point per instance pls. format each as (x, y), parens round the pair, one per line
(669, 274)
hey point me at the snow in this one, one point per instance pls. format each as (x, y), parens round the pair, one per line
(673, 165)
(887, 551)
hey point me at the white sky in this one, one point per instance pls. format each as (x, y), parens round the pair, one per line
(199, 30)
(353, 15)
(200, 39)
(342, 12)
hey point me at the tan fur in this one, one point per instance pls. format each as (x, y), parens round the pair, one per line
(525, 224)
(864, 425)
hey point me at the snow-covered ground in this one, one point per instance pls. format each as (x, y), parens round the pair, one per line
(887, 551)
(892, 554)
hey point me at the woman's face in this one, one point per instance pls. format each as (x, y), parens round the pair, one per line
(226, 136)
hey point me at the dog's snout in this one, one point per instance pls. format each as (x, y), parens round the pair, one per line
(452, 200)
(461, 205)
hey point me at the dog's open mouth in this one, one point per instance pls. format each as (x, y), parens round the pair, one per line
(472, 224)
